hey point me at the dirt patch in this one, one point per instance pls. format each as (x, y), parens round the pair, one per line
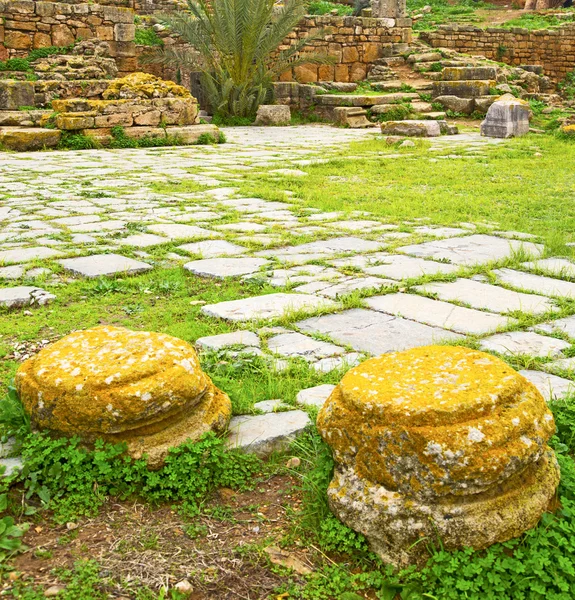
(221, 551)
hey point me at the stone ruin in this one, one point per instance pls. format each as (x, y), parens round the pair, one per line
(80, 93)
(438, 445)
(136, 387)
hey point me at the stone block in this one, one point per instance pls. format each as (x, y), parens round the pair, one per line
(14, 94)
(469, 73)
(75, 121)
(273, 114)
(456, 104)
(124, 32)
(16, 40)
(28, 138)
(122, 119)
(62, 35)
(355, 118)
(191, 133)
(410, 128)
(463, 89)
(507, 117)
(150, 118)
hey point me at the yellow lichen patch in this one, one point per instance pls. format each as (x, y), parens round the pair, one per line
(118, 384)
(144, 85)
(436, 420)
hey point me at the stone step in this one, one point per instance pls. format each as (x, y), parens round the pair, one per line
(434, 115)
(463, 89)
(428, 57)
(24, 139)
(353, 100)
(188, 134)
(469, 73)
(387, 86)
(24, 118)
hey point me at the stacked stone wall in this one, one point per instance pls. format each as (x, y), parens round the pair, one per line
(28, 24)
(149, 7)
(354, 43)
(553, 49)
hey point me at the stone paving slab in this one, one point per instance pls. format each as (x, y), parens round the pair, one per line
(142, 240)
(375, 332)
(488, 297)
(99, 265)
(538, 284)
(297, 345)
(471, 250)
(213, 248)
(563, 364)
(439, 314)
(315, 396)
(271, 306)
(267, 433)
(559, 267)
(177, 231)
(407, 267)
(225, 340)
(22, 255)
(220, 268)
(345, 287)
(525, 342)
(565, 325)
(331, 363)
(551, 387)
(24, 296)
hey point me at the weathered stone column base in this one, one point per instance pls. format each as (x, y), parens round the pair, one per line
(400, 529)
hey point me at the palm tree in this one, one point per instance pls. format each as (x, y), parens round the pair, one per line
(234, 44)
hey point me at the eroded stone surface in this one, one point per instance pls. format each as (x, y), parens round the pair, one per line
(539, 284)
(24, 296)
(265, 307)
(142, 388)
(374, 332)
(264, 434)
(489, 297)
(525, 342)
(565, 325)
(441, 441)
(99, 265)
(474, 249)
(220, 268)
(550, 387)
(213, 248)
(225, 340)
(315, 396)
(405, 267)
(297, 345)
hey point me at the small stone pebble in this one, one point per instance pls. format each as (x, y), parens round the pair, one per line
(293, 463)
(184, 587)
(53, 591)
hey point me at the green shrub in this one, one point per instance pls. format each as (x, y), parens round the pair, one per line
(15, 64)
(146, 36)
(77, 141)
(567, 86)
(395, 112)
(323, 7)
(24, 64)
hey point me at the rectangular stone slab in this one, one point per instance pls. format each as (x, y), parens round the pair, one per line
(525, 342)
(21, 255)
(565, 325)
(548, 286)
(551, 387)
(488, 297)
(374, 332)
(559, 267)
(99, 265)
(470, 250)
(439, 314)
(271, 306)
(407, 267)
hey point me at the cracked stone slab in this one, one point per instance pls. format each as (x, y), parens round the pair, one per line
(559, 267)
(439, 314)
(13, 272)
(474, 249)
(24, 296)
(270, 306)
(342, 288)
(267, 433)
(375, 332)
(242, 227)
(488, 297)
(297, 345)
(331, 363)
(324, 248)
(21, 255)
(440, 232)
(225, 340)
(539, 284)
(213, 248)
(406, 267)
(315, 396)
(220, 268)
(98, 265)
(302, 274)
(551, 387)
(525, 342)
(565, 325)
(176, 231)
(143, 240)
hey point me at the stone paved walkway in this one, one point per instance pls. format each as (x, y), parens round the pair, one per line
(95, 214)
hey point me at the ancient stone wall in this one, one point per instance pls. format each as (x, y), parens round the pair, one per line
(354, 43)
(29, 24)
(149, 7)
(554, 49)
